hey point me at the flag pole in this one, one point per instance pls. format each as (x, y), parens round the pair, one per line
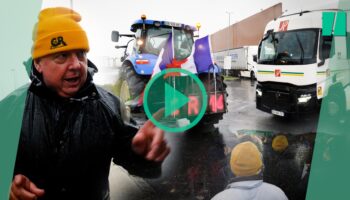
(173, 56)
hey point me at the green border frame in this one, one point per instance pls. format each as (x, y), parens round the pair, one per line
(19, 18)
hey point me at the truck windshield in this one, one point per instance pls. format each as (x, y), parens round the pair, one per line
(289, 48)
(156, 39)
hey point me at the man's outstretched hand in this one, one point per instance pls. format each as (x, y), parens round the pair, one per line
(149, 141)
(23, 189)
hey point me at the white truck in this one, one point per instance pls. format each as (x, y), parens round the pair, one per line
(293, 64)
(242, 61)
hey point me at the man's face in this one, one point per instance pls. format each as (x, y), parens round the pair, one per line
(64, 72)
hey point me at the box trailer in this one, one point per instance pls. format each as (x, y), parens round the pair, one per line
(242, 61)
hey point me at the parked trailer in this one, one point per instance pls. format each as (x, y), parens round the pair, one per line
(242, 61)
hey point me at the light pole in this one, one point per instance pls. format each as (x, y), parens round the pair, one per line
(228, 30)
(228, 34)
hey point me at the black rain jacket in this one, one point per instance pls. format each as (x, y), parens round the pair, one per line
(66, 145)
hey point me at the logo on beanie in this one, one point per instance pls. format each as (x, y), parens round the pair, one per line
(57, 42)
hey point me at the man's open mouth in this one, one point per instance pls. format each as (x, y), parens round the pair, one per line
(72, 80)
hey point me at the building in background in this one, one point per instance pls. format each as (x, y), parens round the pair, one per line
(246, 32)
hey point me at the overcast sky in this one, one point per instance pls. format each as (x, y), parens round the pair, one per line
(99, 18)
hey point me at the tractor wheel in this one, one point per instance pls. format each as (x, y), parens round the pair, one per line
(130, 84)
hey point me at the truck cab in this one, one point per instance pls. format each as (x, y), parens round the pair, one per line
(293, 63)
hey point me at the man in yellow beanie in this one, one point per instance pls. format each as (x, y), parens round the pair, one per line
(72, 128)
(246, 164)
(283, 167)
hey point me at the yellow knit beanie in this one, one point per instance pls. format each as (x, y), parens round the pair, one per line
(279, 143)
(58, 30)
(246, 159)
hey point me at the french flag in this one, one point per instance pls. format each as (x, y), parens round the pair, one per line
(202, 55)
(165, 57)
(200, 59)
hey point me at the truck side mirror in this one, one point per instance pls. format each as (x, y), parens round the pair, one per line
(115, 36)
(321, 63)
(255, 58)
(325, 49)
(123, 57)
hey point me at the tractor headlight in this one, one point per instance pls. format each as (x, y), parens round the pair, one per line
(139, 42)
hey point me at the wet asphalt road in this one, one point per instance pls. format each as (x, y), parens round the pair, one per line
(242, 113)
(198, 166)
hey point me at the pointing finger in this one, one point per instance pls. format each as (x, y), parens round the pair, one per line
(34, 189)
(163, 155)
(139, 143)
(156, 145)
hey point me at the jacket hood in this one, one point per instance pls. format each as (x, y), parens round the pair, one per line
(245, 184)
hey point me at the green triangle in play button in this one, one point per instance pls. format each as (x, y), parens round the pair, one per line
(173, 100)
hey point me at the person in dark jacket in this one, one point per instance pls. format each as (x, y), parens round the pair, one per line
(71, 128)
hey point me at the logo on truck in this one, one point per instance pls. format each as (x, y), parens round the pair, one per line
(277, 73)
(283, 25)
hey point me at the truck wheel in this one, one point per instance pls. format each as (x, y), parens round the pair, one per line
(334, 104)
(252, 76)
(130, 84)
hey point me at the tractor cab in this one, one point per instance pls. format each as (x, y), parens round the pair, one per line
(149, 37)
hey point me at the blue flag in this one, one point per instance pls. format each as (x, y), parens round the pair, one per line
(202, 54)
